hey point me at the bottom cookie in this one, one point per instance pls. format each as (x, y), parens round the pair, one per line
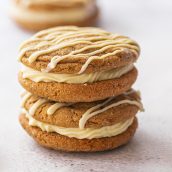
(59, 142)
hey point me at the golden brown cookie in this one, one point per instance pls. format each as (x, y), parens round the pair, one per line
(60, 142)
(72, 50)
(72, 64)
(81, 126)
(68, 115)
(88, 92)
(36, 15)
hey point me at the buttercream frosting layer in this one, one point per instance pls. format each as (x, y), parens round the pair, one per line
(86, 133)
(96, 109)
(38, 76)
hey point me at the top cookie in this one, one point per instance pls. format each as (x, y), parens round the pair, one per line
(71, 50)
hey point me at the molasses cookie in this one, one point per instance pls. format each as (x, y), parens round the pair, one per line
(41, 14)
(73, 64)
(86, 127)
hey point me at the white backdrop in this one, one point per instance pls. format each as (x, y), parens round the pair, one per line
(149, 22)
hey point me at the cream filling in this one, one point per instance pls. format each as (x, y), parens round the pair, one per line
(62, 15)
(86, 133)
(38, 76)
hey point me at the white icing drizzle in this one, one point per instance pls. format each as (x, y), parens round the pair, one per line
(26, 96)
(54, 107)
(83, 68)
(50, 111)
(91, 112)
(94, 40)
(36, 105)
(52, 63)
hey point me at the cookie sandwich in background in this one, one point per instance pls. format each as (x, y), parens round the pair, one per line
(36, 15)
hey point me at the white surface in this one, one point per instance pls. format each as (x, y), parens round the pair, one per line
(148, 22)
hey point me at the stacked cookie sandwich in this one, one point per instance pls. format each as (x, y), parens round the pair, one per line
(41, 14)
(78, 83)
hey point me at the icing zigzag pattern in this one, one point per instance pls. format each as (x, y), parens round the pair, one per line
(88, 43)
(93, 111)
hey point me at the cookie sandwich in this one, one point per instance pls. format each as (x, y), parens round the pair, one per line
(40, 14)
(81, 127)
(78, 89)
(73, 64)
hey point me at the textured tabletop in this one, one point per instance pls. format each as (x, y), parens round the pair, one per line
(148, 22)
